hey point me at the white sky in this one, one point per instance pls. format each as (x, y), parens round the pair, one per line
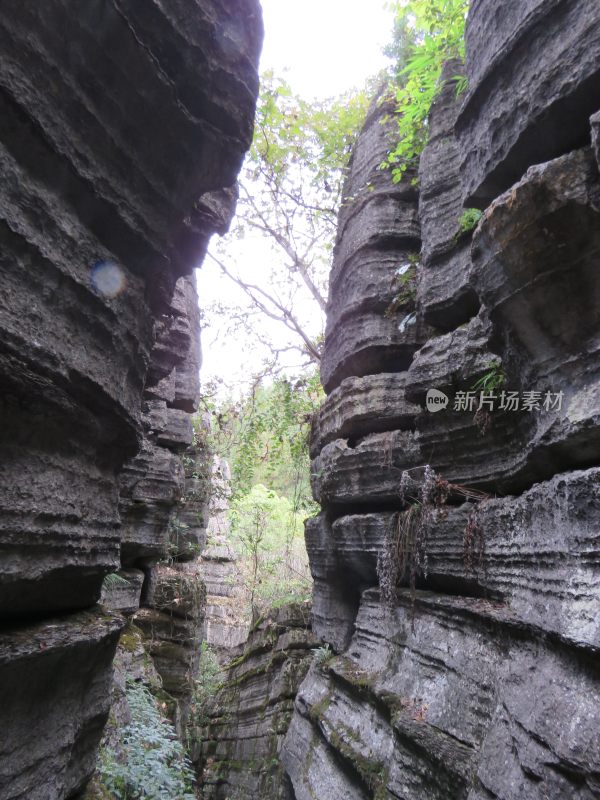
(324, 48)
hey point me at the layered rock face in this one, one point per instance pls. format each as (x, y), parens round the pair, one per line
(122, 126)
(226, 624)
(245, 725)
(482, 681)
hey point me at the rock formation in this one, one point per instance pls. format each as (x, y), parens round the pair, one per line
(225, 624)
(475, 675)
(481, 681)
(122, 127)
(246, 723)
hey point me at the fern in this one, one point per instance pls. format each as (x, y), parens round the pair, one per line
(114, 581)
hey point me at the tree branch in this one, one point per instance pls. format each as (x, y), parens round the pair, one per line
(284, 315)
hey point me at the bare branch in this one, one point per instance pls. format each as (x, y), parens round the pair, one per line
(297, 262)
(260, 298)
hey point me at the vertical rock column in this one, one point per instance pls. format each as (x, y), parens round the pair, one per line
(227, 621)
(482, 682)
(114, 120)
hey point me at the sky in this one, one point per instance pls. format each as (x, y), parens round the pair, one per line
(324, 48)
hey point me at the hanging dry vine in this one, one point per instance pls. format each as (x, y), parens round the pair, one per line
(403, 558)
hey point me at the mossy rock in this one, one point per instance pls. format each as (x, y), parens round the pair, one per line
(131, 638)
(96, 791)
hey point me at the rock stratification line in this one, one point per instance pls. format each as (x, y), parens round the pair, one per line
(122, 128)
(480, 682)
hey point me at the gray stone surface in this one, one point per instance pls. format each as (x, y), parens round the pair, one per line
(241, 742)
(378, 232)
(478, 679)
(595, 123)
(118, 122)
(441, 709)
(446, 296)
(55, 681)
(539, 553)
(534, 79)
(363, 405)
(368, 342)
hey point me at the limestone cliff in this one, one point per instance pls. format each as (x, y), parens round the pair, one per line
(226, 623)
(240, 739)
(122, 129)
(482, 681)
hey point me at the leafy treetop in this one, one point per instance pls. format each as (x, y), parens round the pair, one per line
(290, 192)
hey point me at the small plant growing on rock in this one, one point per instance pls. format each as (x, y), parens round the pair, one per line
(404, 285)
(468, 220)
(492, 380)
(114, 581)
(323, 655)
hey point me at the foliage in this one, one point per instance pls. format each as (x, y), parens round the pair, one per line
(493, 379)
(206, 684)
(264, 436)
(437, 30)
(114, 581)
(268, 535)
(290, 191)
(469, 219)
(153, 765)
(323, 654)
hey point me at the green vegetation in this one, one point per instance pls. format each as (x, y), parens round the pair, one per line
(264, 437)
(152, 764)
(427, 33)
(290, 193)
(208, 681)
(268, 535)
(323, 655)
(469, 219)
(114, 581)
(493, 379)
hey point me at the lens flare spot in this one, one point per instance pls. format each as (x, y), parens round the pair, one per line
(108, 278)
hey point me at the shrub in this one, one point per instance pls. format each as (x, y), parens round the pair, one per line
(469, 219)
(434, 33)
(153, 765)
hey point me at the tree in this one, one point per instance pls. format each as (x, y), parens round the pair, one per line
(268, 536)
(427, 34)
(289, 195)
(264, 436)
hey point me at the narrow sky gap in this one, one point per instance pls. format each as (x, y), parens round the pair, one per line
(322, 48)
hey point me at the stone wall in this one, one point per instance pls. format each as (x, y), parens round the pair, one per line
(226, 620)
(481, 681)
(240, 742)
(121, 126)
